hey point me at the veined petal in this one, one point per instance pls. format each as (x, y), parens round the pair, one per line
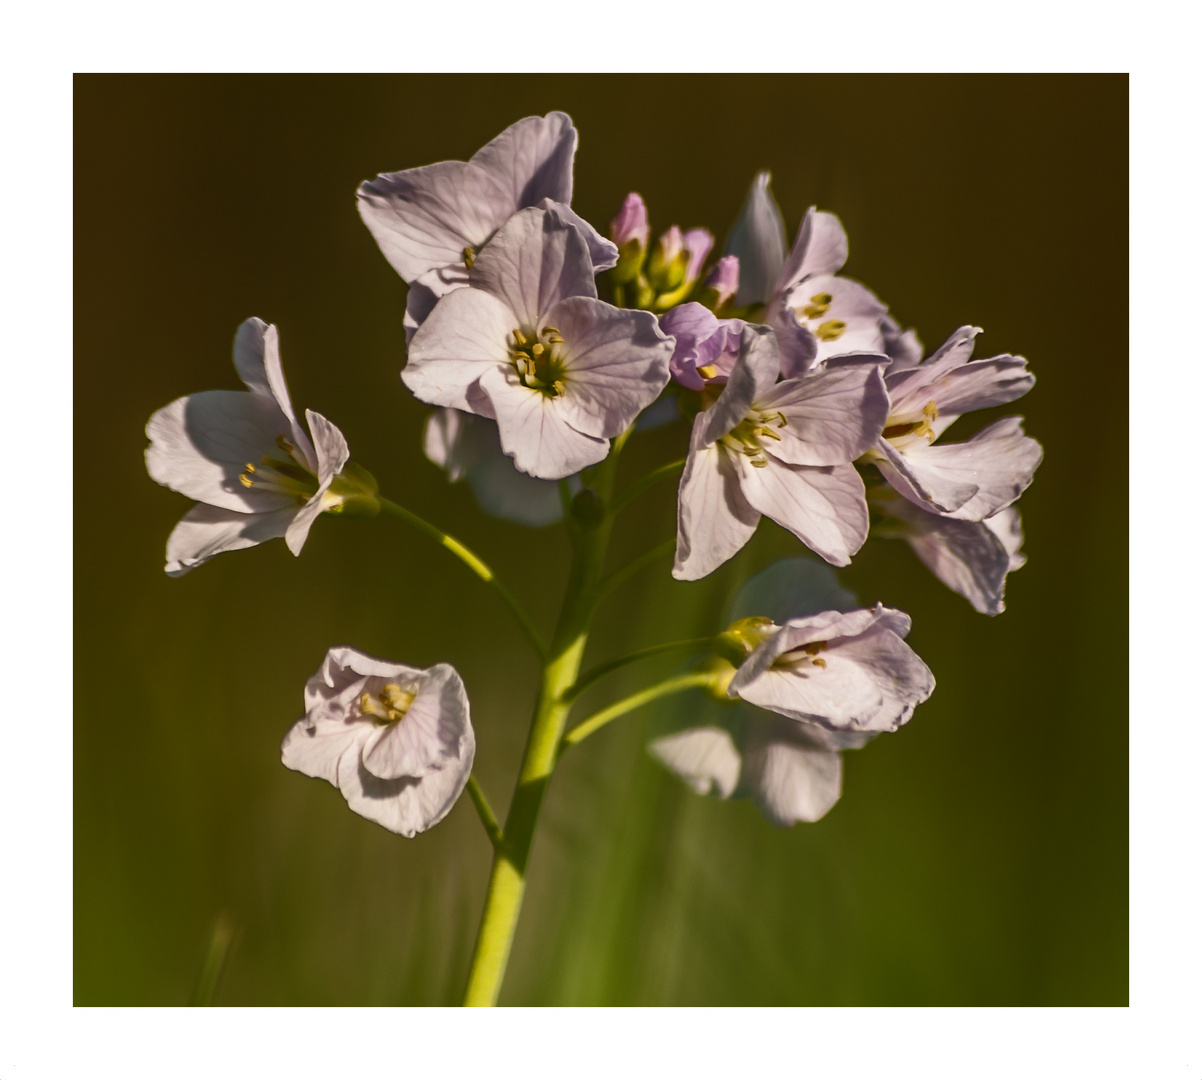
(713, 518)
(425, 291)
(758, 239)
(200, 445)
(705, 758)
(820, 248)
(424, 218)
(603, 253)
(798, 347)
(533, 263)
(332, 455)
(924, 485)
(906, 383)
(754, 373)
(318, 747)
(532, 159)
(1007, 526)
(842, 314)
(257, 359)
(615, 364)
(834, 415)
(428, 736)
(465, 335)
(1001, 460)
(534, 431)
(791, 774)
(979, 384)
(823, 507)
(205, 531)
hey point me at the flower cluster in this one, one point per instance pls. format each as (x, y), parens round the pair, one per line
(542, 345)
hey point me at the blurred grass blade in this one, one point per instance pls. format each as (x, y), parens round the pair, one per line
(215, 960)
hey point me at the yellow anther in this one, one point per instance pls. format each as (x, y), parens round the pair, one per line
(520, 338)
(707, 372)
(554, 339)
(768, 433)
(537, 349)
(559, 387)
(246, 480)
(831, 330)
(815, 647)
(819, 662)
(819, 305)
(284, 444)
(931, 411)
(469, 256)
(250, 466)
(760, 462)
(551, 330)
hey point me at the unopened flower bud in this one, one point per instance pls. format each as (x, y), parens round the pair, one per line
(669, 262)
(631, 231)
(722, 284)
(698, 243)
(739, 640)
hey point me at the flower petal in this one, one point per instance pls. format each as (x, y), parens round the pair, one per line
(257, 360)
(615, 364)
(758, 240)
(792, 776)
(318, 748)
(602, 253)
(533, 262)
(842, 314)
(713, 519)
(754, 373)
(834, 414)
(917, 481)
(705, 758)
(823, 507)
(200, 445)
(532, 159)
(792, 588)
(205, 531)
(332, 455)
(820, 248)
(534, 431)
(465, 335)
(428, 737)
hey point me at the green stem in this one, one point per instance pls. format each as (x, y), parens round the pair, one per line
(628, 571)
(669, 686)
(474, 563)
(602, 670)
(507, 881)
(639, 486)
(487, 818)
(214, 962)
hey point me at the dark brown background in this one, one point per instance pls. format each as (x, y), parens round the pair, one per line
(979, 856)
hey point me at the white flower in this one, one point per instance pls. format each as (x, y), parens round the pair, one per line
(528, 343)
(397, 741)
(432, 221)
(782, 450)
(248, 462)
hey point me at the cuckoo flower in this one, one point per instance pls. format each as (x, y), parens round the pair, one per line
(782, 450)
(815, 313)
(972, 480)
(528, 344)
(432, 221)
(971, 558)
(467, 446)
(397, 741)
(248, 462)
(844, 671)
(706, 347)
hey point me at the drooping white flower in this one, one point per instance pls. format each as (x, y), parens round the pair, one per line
(971, 558)
(397, 741)
(468, 447)
(528, 343)
(782, 450)
(248, 462)
(972, 480)
(431, 222)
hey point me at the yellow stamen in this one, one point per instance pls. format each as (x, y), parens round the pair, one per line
(559, 387)
(469, 256)
(831, 330)
(246, 480)
(819, 305)
(707, 372)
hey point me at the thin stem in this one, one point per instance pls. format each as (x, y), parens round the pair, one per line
(487, 818)
(215, 959)
(639, 486)
(474, 563)
(602, 670)
(628, 571)
(669, 686)
(507, 881)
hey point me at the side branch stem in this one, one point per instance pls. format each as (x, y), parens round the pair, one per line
(639, 486)
(474, 563)
(669, 686)
(619, 577)
(487, 818)
(602, 670)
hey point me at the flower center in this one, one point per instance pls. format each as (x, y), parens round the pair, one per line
(281, 477)
(803, 656)
(538, 360)
(387, 705)
(747, 436)
(819, 305)
(930, 413)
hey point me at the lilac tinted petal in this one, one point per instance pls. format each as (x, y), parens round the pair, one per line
(445, 441)
(834, 415)
(615, 364)
(919, 480)
(698, 243)
(532, 263)
(505, 493)
(532, 159)
(820, 248)
(424, 293)
(332, 451)
(798, 347)
(758, 240)
(849, 322)
(977, 385)
(631, 222)
(602, 253)
(466, 334)
(799, 631)
(279, 390)
(248, 355)
(705, 758)
(906, 383)
(792, 776)
(424, 218)
(205, 531)
(823, 507)
(1007, 526)
(693, 326)
(428, 736)
(901, 346)
(533, 429)
(906, 680)
(318, 748)
(713, 519)
(755, 371)
(200, 445)
(791, 588)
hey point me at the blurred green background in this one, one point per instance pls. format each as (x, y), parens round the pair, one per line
(978, 856)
